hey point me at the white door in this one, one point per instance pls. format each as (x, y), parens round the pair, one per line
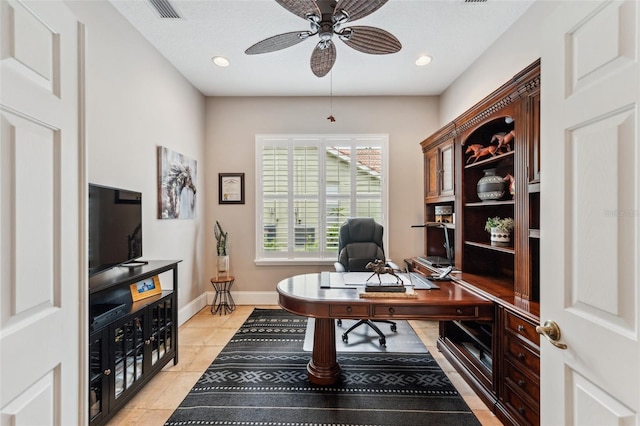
(590, 213)
(42, 187)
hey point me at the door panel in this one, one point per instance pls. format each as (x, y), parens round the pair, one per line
(42, 264)
(431, 173)
(447, 171)
(32, 146)
(589, 213)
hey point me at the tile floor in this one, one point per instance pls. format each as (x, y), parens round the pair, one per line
(202, 338)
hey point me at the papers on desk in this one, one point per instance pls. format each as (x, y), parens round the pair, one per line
(360, 279)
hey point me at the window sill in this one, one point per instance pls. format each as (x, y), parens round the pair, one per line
(296, 262)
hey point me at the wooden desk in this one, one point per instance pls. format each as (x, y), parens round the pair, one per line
(302, 295)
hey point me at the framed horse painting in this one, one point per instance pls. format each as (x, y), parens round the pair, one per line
(177, 177)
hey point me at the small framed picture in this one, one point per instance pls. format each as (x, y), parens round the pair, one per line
(145, 288)
(230, 188)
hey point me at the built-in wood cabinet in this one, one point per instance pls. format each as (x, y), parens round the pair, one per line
(499, 359)
(520, 377)
(439, 167)
(439, 191)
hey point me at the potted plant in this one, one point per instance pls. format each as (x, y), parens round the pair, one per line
(500, 230)
(222, 264)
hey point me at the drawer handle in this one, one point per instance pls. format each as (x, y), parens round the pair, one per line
(392, 310)
(147, 342)
(349, 309)
(521, 410)
(459, 311)
(107, 372)
(521, 356)
(521, 383)
(520, 328)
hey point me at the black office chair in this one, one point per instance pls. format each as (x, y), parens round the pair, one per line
(360, 242)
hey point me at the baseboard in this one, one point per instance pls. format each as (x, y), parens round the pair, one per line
(192, 308)
(249, 297)
(258, 298)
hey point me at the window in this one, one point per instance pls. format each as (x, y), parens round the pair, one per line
(307, 186)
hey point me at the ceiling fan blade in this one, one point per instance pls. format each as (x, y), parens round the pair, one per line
(322, 60)
(357, 9)
(278, 42)
(301, 8)
(371, 40)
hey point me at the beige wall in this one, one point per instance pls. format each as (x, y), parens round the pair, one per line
(136, 100)
(517, 48)
(232, 124)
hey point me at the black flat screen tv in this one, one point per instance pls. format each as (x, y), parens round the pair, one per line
(115, 227)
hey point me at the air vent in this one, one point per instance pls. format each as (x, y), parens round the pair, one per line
(475, 1)
(164, 9)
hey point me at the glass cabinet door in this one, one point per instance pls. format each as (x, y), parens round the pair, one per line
(162, 329)
(128, 341)
(98, 375)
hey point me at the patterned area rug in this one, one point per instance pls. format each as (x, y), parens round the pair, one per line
(365, 339)
(260, 379)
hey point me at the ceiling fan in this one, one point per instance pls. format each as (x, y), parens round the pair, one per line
(328, 18)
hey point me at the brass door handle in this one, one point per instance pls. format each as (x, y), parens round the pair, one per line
(551, 331)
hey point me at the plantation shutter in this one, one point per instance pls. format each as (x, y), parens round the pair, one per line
(309, 185)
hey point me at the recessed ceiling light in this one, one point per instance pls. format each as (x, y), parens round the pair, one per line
(423, 60)
(220, 61)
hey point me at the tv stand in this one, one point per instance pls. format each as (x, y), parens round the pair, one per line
(129, 342)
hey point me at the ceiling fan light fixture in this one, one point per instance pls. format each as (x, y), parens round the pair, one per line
(345, 34)
(340, 17)
(220, 61)
(313, 18)
(423, 60)
(326, 18)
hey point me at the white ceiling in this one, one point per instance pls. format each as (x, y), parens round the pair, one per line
(453, 32)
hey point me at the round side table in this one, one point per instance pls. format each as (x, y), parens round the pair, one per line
(223, 302)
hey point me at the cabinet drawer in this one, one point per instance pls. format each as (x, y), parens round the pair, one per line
(349, 311)
(522, 354)
(522, 383)
(522, 328)
(438, 312)
(521, 408)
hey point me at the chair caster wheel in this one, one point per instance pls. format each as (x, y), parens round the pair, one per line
(394, 328)
(345, 338)
(383, 342)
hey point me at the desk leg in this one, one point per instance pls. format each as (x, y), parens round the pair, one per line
(323, 369)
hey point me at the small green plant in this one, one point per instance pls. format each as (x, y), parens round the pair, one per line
(505, 224)
(221, 239)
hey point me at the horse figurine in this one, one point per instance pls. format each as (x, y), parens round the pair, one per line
(512, 183)
(480, 151)
(503, 139)
(378, 266)
(178, 178)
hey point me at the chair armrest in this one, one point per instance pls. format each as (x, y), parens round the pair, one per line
(392, 265)
(339, 267)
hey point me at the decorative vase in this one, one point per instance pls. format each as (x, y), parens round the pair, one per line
(490, 186)
(500, 237)
(222, 263)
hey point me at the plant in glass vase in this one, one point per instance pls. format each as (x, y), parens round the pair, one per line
(222, 245)
(500, 230)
